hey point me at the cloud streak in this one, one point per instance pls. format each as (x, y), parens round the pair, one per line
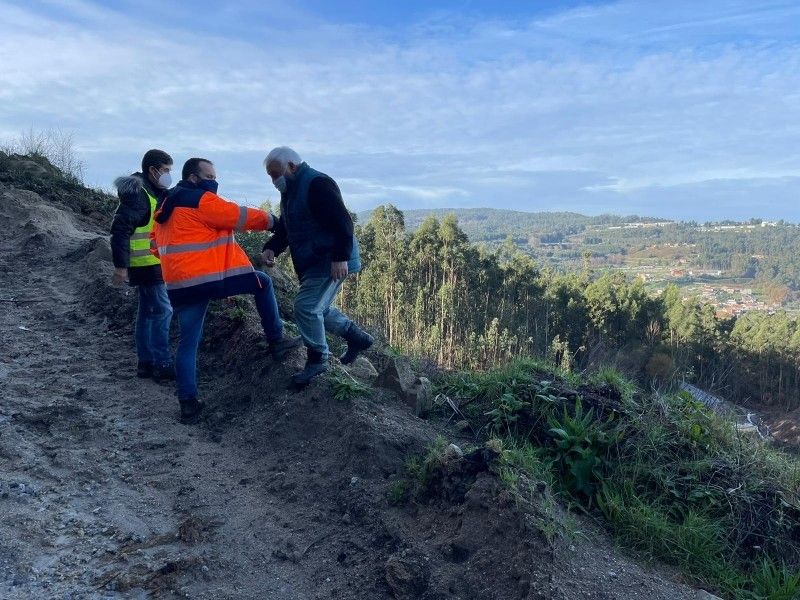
(605, 108)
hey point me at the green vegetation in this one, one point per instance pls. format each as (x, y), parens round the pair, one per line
(496, 225)
(35, 163)
(417, 473)
(668, 477)
(236, 308)
(344, 387)
(54, 145)
(434, 294)
(252, 242)
(768, 255)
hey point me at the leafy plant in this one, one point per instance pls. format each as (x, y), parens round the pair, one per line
(505, 413)
(547, 395)
(772, 581)
(400, 489)
(581, 445)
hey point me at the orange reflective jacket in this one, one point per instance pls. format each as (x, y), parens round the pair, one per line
(193, 237)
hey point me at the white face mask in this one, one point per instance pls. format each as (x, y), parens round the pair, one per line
(280, 184)
(165, 180)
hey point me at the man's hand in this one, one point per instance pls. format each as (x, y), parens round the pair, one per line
(120, 276)
(339, 270)
(269, 257)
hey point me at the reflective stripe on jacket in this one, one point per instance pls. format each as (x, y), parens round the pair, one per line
(193, 236)
(140, 240)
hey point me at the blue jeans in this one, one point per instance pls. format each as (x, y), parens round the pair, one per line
(192, 316)
(152, 325)
(314, 314)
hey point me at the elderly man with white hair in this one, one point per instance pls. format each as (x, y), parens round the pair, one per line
(317, 228)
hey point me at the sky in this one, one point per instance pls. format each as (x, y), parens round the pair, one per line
(685, 109)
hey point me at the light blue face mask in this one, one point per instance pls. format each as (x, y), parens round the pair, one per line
(280, 184)
(165, 180)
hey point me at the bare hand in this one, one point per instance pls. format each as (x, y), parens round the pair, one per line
(120, 277)
(269, 257)
(339, 270)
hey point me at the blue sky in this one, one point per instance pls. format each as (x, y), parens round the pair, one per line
(682, 109)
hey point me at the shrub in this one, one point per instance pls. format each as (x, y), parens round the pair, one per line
(670, 477)
(54, 172)
(57, 146)
(416, 474)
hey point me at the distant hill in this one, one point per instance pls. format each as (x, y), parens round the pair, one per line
(495, 225)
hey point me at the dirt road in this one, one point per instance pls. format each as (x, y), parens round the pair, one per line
(103, 494)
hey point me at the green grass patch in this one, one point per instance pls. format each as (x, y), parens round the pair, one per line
(669, 477)
(611, 377)
(345, 387)
(416, 474)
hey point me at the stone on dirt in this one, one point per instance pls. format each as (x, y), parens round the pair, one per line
(453, 452)
(399, 377)
(407, 576)
(362, 368)
(704, 595)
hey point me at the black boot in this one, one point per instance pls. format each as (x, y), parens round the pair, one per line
(144, 369)
(358, 340)
(316, 364)
(165, 372)
(280, 348)
(190, 410)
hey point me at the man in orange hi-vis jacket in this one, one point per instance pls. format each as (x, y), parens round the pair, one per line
(201, 261)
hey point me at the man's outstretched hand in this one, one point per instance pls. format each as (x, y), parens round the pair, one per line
(339, 270)
(269, 257)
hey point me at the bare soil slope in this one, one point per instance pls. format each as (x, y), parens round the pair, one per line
(103, 494)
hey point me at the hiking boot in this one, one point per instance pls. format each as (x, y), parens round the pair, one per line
(316, 364)
(163, 372)
(280, 348)
(190, 410)
(144, 369)
(358, 340)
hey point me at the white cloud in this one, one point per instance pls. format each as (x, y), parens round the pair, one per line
(548, 113)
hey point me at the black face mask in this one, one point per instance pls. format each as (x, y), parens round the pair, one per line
(209, 185)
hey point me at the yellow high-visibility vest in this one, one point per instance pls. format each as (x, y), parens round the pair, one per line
(140, 240)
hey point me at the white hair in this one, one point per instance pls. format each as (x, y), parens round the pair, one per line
(283, 155)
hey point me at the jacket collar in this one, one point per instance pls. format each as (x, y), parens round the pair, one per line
(157, 193)
(185, 183)
(167, 205)
(292, 181)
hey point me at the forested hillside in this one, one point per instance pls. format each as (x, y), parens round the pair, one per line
(436, 294)
(759, 253)
(493, 225)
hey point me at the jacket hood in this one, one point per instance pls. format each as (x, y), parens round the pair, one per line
(177, 196)
(129, 184)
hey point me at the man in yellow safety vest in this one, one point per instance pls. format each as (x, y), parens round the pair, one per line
(139, 194)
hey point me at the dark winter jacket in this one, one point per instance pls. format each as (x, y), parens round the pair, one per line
(133, 211)
(315, 225)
